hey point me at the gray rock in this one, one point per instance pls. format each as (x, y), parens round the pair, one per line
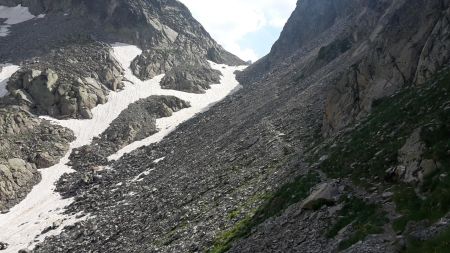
(325, 192)
(26, 144)
(66, 88)
(3, 246)
(192, 78)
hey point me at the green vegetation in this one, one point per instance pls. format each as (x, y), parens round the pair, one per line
(365, 218)
(364, 156)
(372, 148)
(287, 195)
(367, 152)
(440, 244)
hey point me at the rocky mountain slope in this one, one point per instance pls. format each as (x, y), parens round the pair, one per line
(67, 68)
(388, 44)
(338, 141)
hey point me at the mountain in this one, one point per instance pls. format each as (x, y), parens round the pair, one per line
(389, 44)
(61, 59)
(338, 140)
(70, 40)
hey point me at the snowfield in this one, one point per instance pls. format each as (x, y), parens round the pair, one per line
(199, 102)
(43, 207)
(6, 71)
(14, 15)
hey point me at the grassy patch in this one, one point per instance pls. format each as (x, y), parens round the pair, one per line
(440, 244)
(372, 148)
(240, 230)
(364, 154)
(365, 218)
(287, 195)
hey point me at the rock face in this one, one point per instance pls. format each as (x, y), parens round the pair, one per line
(375, 47)
(412, 167)
(86, 74)
(164, 29)
(17, 177)
(193, 79)
(26, 144)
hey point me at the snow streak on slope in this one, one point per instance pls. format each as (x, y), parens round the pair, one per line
(22, 226)
(6, 71)
(199, 102)
(13, 15)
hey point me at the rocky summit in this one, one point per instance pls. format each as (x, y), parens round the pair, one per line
(125, 127)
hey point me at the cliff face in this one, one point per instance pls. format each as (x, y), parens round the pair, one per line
(374, 48)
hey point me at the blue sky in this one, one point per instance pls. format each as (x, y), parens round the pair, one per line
(247, 28)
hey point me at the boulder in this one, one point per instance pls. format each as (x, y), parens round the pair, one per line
(3, 245)
(42, 88)
(45, 160)
(16, 177)
(325, 193)
(409, 157)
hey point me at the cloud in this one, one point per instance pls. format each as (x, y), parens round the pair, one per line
(229, 22)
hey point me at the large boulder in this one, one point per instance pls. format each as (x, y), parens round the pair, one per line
(16, 179)
(412, 166)
(27, 143)
(325, 193)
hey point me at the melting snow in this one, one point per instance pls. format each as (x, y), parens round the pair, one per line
(5, 73)
(13, 15)
(22, 226)
(199, 102)
(159, 160)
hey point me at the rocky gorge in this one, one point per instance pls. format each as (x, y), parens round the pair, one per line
(338, 140)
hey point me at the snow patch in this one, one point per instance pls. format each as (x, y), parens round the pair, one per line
(139, 178)
(156, 161)
(6, 71)
(199, 102)
(43, 207)
(22, 226)
(13, 15)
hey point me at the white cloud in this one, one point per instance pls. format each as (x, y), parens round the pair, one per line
(231, 20)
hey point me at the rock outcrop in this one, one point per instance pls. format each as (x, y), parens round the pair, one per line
(70, 43)
(190, 78)
(375, 48)
(68, 82)
(26, 144)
